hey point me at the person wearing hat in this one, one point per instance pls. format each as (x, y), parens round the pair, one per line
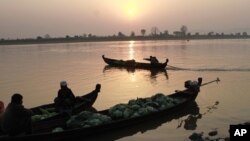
(65, 99)
(16, 119)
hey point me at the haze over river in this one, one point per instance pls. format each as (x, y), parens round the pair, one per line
(36, 70)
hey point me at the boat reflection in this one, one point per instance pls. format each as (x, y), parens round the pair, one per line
(190, 123)
(153, 72)
(191, 109)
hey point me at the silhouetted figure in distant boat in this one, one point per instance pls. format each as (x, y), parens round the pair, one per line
(153, 60)
(65, 99)
(16, 119)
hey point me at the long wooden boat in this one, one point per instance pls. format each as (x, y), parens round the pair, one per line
(83, 102)
(153, 72)
(186, 96)
(134, 64)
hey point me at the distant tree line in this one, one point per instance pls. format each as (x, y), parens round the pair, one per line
(153, 34)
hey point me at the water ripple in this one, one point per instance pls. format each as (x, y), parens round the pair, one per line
(210, 69)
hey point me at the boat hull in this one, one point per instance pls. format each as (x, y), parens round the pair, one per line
(133, 64)
(188, 97)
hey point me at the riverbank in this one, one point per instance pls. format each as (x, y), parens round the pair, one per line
(116, 38)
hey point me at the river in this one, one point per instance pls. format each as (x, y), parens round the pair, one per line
(36, 70)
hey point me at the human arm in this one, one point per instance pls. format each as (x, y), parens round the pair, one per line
(147, 59)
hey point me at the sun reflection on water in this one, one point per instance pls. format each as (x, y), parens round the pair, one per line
(131, 56)
(133, 77)
(131, 49)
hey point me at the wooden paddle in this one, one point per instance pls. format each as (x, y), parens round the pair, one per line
(216, 80)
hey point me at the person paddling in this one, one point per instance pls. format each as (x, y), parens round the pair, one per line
(153, 60)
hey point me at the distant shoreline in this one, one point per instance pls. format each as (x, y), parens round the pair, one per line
(126, 38)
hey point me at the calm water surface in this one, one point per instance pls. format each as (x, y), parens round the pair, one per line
(36, 70)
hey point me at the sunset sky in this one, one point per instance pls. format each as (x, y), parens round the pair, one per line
(32, 18)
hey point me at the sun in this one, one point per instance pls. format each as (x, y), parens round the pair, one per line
(131, 12)
(131, 9)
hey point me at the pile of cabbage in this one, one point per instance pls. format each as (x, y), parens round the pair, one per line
(87, 119)
(58, 129)
(134, 108)
(143, 106)
(45, 113)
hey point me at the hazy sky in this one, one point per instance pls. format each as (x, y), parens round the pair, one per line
(32, 18)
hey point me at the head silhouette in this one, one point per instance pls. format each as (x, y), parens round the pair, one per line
(17, 98)
(63, 84)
